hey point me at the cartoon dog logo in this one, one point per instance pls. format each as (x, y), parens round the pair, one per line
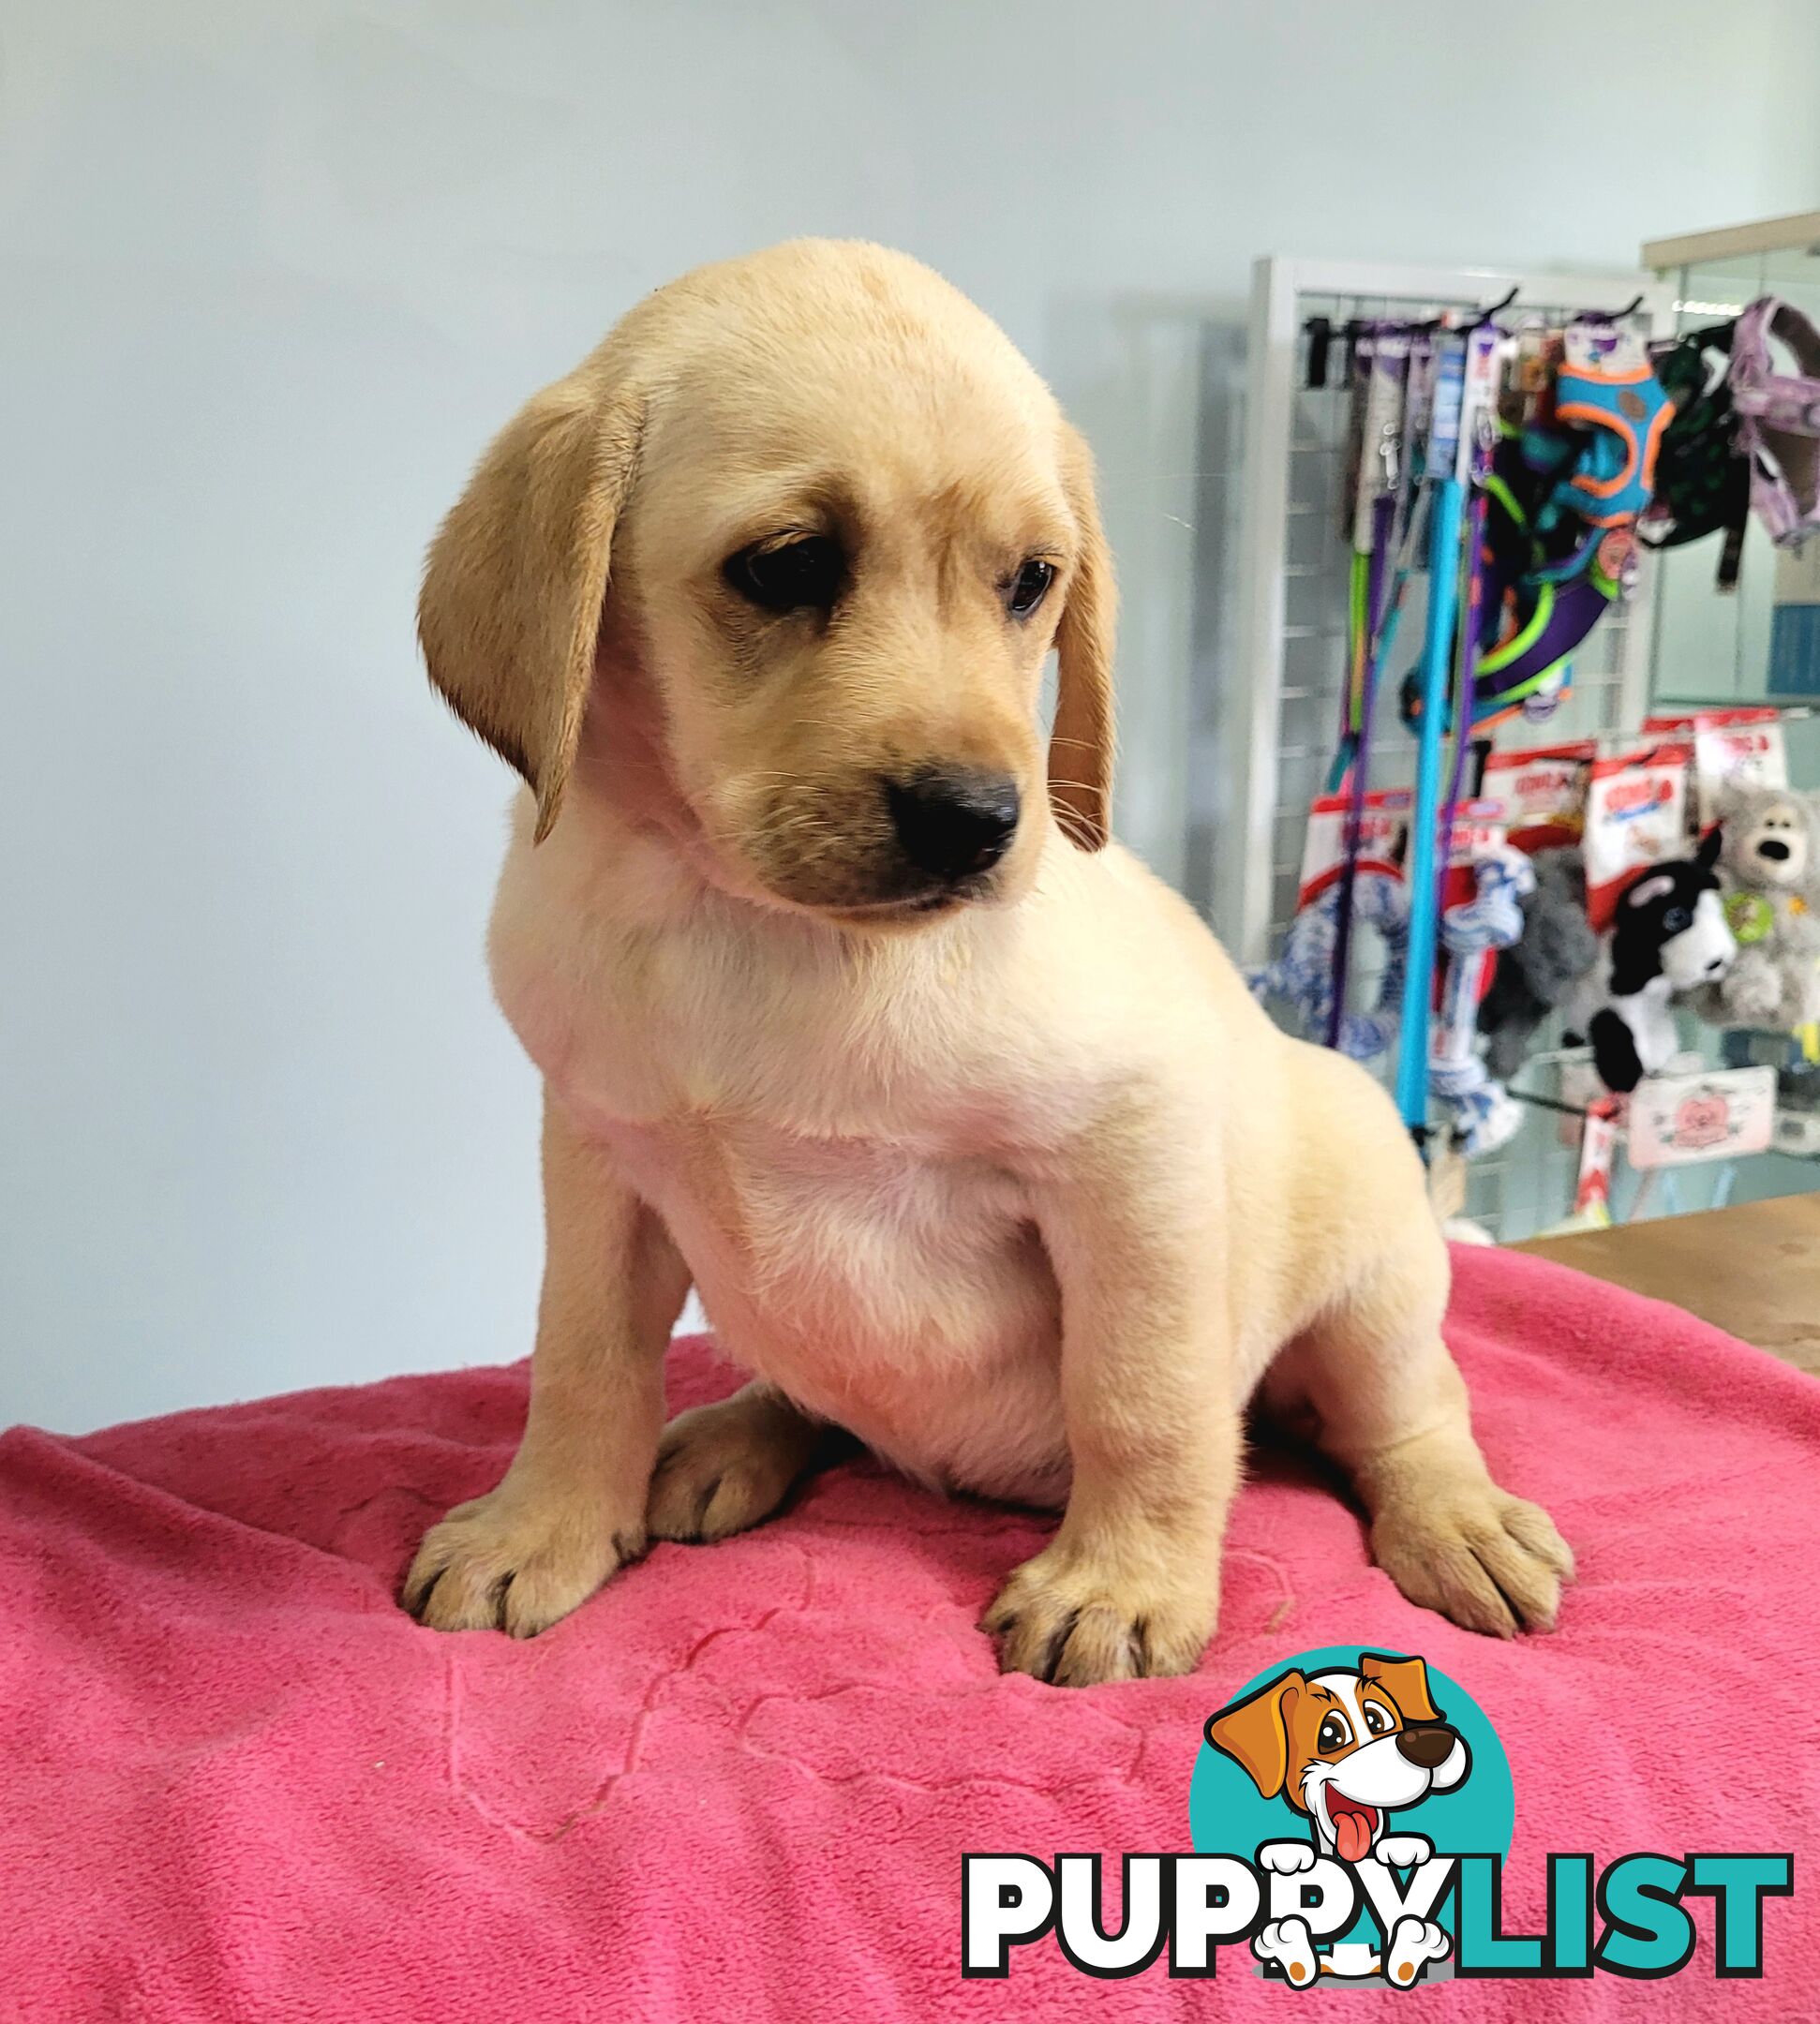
(1346, 1749)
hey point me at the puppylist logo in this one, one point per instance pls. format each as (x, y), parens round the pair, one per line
(1376, 1804)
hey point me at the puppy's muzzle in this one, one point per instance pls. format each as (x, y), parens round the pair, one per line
(954, 823)
(1427, 1746)
(1773, 848)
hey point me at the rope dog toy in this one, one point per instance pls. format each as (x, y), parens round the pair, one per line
(1480, 1113)
(1303, 973)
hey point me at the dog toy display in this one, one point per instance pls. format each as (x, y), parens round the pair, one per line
(1538, 972)
(1518, 461)
(1669, 938)
(1770, 866)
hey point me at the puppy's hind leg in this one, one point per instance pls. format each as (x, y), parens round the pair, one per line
(724, 1468)
(1391, 1409)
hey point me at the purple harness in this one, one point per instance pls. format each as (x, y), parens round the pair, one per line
(1778, 418)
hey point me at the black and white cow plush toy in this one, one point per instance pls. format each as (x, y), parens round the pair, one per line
(1668, 936)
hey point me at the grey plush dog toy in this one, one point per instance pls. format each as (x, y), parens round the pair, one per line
(1537, 972)
(1770, 872)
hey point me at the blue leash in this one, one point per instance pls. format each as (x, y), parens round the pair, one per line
(1437, 663)
(1449, 479)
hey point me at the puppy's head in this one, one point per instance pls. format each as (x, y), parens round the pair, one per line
(1345, 1748)
(781, 564)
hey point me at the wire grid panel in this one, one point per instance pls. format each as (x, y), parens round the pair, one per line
(1295, 573)
(1314, 586)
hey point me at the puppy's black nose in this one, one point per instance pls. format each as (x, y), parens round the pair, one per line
(952, 822)
(1429, 1746)
(1772, 847)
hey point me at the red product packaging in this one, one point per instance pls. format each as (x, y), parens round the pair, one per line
(1543, 792)
(1477, 830)
(1731, 746)
(1637, 815)
(1382, 829)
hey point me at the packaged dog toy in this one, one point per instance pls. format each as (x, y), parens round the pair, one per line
(1732, 748)
(1382, 824)
(1543, 792)
(1636, 816)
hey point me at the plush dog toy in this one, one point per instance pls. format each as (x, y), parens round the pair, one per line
(1668, 937)
(1558, 948)
(1769, 867)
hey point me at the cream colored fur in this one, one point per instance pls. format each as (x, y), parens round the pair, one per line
(1017, 1186)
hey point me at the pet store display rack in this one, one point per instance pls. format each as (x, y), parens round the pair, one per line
(1276, 735)
(1276, 725)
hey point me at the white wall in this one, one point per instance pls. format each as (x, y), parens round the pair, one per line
(274, 272)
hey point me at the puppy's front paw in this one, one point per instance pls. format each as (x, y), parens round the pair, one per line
(1491, 1562)
(1403, 1851)
(722, 1468)
(516, 1559)
(1070, 1622)
(1287, 1858)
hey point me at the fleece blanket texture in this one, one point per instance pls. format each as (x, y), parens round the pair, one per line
(240, 1785)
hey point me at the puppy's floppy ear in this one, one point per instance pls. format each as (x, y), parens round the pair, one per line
(1080, 744)
(511, 605)
(1406, 1680)
(1255, 1731)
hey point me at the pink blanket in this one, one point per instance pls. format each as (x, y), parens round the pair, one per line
(239, 1785)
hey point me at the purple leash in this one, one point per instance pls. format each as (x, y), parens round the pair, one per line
(1468, 676)
(1383, 515)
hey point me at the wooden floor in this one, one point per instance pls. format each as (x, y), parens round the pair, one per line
(1754, 1271)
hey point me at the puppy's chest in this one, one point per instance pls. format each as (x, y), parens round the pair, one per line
(875, 1243)
(835, 1173)
(649, 1029)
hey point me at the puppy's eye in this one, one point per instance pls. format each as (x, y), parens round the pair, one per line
(1676, 921)
(801, 574)
(1334, 1734)
(1376, 1719)
(1025, 592)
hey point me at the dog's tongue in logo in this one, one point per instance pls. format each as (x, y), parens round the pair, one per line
(1353, 1827)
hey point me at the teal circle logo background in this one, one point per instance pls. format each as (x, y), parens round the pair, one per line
(1228, 1816)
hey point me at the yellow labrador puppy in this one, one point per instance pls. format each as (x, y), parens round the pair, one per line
(969, 1134)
